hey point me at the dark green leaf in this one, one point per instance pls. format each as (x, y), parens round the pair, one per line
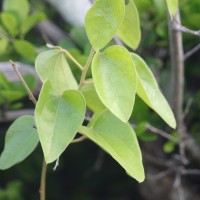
(25, 49)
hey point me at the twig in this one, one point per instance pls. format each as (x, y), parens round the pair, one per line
(43, 181)
(72, 59)
(31, 96)
(190, 172)
(191, 52)
(161, 132)
(85, 69)
(80, 139)
(178, 186)
(177, 65)
(187, 108)
(160, 175)
(183, 29)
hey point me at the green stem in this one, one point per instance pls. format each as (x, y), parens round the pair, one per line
(43, 181)
(72, 59)
(85, 69)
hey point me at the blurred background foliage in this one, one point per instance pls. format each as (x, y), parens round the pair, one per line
(86, 172)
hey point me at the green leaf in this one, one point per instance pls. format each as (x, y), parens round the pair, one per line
(172, 7)
(25, 49)
(20, 141)
(115, 80)
(58, 119)
(129, 31)
(31, 21)
(3, 45)
(92, 100)
(52, 65)
(150, 93)
(10, 95)
(119, 140)
(10, 23)
(20, 8)
(103, 20)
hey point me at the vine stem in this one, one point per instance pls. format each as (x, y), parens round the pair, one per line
(85, 69)
(43, 181)
(31, 96)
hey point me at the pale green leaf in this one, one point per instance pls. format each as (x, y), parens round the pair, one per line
(115, 80)
(172, 7)
(20, 141)
(20, 8)
(150, 93)
(25, 49)
(31, 21)
(58, 119)
(92, 100)
(119, 140)
(103, 20)
(129, 31)
(10, 23)
(52, 65)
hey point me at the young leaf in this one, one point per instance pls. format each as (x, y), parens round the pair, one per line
(52, 65)
(3, 45)
(172, 7)
(10, 23)
(20, 8)
(150, 93)
(129, 31)
(31, 21)
(119, 140)
(25, 49)
(103, 20)
(58, 119)
(115, 80)
(20, 141)
(92, 100)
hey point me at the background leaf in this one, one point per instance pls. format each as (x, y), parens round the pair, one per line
(21, 139)
(58, 119)
(52, 65)
(19, 8)
(119, 140)
(25, 49)
(129, 31)
(115, 80)
(103, 20)
(150, 93)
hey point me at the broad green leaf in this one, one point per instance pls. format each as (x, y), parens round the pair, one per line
(3, 45)
(119, 140)
(10, 95)
(115, 80)
(103, 20)
(172, 7)
(129, 31)
(31, 21)
(25, 49)
(150, 93)
(20, 141)
(52, 65)
(10, 23)
(18, 7)
(58, 119)
(92, 100)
